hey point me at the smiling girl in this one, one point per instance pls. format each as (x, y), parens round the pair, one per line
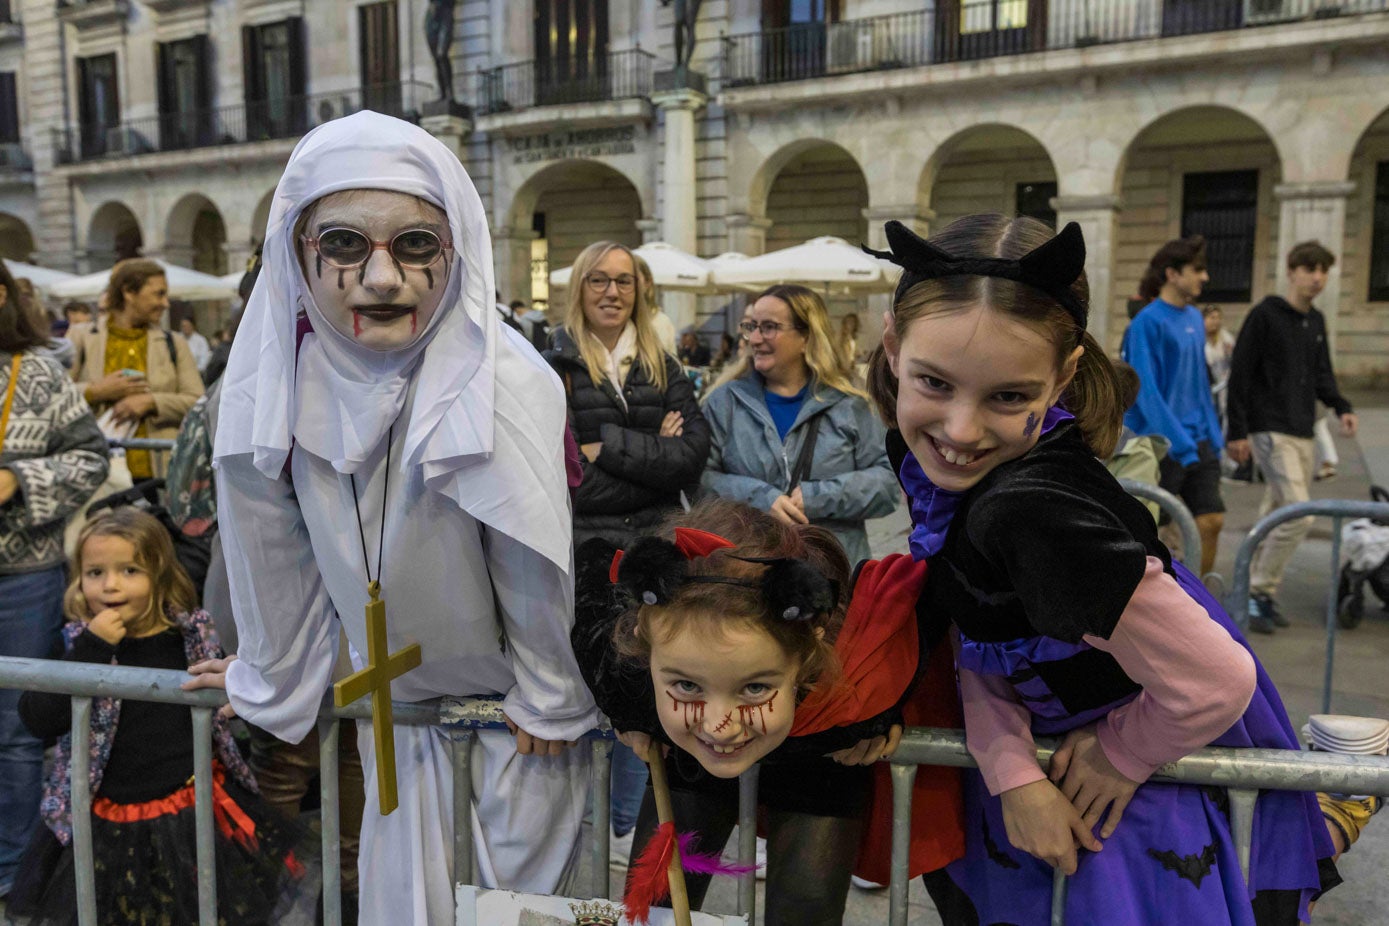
(130, 603)
(1071, 618)
(733, 645)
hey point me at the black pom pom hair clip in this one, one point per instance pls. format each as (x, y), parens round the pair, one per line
(654, 569)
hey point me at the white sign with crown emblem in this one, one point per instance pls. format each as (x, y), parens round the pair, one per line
(481, 907)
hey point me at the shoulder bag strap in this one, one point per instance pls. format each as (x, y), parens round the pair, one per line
(9, 399)
(801, 470)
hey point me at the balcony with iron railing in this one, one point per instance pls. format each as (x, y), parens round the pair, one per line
(284, 118)
(619, 75)
(10, 31)
(968, 30)
(15, 163)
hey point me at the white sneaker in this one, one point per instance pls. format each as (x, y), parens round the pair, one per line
(619, 849)
(761, 859)
(864, 884)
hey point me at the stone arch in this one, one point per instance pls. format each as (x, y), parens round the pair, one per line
(16, 241)
(989, 167)
(760, 187)
(560, 210)
(196, 236)
(1200, 169)
(1362, 342)
(818, 189)
(113, 234)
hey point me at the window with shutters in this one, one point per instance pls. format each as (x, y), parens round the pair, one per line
(9, 109)
(98, 103)
(571, 51)
(378, 26)
(1379, 237)
(795, 36)
(969, 29)
(276, 80)
(1223, 206)
(186, 118)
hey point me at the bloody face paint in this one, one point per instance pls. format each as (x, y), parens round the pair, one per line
(380, 304)
(723, 690)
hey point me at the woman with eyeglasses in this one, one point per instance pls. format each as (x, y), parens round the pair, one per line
(640, 432)
(792, 434)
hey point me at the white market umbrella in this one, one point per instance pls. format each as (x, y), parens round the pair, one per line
(826, 263)
(189, 285)
(42, 277)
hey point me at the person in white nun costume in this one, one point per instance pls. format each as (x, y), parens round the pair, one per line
(377, 235)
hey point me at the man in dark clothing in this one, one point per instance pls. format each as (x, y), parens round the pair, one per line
(1280, 368)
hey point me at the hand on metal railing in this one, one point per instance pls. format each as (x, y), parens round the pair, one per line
(212, 673)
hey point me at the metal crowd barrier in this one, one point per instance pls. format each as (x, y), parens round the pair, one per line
(1177, 510)
(1243, 771)
(1337, 509)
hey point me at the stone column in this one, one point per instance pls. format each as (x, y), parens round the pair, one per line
(1097, 217)
(650, 230)
(1315, 211)
(915, 217)
(511, 262)
(452, 128)
(747, 234)
(678, 206)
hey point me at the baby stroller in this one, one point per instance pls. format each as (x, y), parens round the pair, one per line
(1365, 552)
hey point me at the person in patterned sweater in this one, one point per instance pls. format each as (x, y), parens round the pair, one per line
(52, 458)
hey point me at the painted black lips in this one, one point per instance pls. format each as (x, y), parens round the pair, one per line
(384, 313)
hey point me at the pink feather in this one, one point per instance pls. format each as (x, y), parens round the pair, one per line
(707, 863)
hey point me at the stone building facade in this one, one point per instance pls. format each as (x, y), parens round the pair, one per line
(1257, 122)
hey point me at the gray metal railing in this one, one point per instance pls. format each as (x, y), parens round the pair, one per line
(1337, 509)
(1177, 510)
(1242, 771)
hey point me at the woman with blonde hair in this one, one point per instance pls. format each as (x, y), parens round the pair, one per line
(792, 434)
(640, 430)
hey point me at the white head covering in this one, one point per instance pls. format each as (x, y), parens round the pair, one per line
(344, 397)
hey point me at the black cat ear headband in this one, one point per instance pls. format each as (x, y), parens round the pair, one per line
(653, 570)
(1051, 267)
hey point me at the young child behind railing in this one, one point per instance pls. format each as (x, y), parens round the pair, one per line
(130, 603)
(731, 639)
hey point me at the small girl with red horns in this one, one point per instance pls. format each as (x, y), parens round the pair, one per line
(734, 639)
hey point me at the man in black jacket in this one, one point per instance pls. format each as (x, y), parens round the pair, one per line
(1280, 368)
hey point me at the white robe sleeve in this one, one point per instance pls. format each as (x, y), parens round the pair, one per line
(288, 639)
(535, 600)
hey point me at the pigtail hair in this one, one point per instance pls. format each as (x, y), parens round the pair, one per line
(1096, 397)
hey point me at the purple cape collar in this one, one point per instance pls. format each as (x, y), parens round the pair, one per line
(932, 507)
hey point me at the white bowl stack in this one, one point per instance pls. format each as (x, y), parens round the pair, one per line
(1352, 736)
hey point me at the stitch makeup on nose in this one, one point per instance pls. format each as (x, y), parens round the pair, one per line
(1031, 427)
(723, 724)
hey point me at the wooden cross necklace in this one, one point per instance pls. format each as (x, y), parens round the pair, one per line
(382, 665)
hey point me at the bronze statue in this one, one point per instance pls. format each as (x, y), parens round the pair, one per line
(438, 31)
(686, 15)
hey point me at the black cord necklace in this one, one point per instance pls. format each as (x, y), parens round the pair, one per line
(374, 585)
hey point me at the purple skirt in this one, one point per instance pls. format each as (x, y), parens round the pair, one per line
(1172, 858)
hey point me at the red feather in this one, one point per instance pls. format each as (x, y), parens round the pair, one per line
(648, 882)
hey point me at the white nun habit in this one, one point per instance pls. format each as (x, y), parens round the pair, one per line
(478, 539)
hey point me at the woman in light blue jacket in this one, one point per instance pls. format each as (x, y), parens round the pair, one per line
(791, 433)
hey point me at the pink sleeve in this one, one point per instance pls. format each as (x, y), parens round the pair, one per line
(998, 730)
(1197, 681)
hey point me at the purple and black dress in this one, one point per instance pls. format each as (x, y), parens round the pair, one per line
(1042, 551)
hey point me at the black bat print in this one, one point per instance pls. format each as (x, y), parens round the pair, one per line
(1191, 867)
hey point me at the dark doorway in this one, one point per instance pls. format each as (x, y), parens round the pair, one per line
(380, 51)
(795, 34)
(185, 94)
(972, 29)
(571, 51)
(276, 106)
(1224, 207)
(98, 103)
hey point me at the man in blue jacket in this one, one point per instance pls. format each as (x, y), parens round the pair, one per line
(1165, 344)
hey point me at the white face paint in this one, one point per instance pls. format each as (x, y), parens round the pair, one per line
(382, 303)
